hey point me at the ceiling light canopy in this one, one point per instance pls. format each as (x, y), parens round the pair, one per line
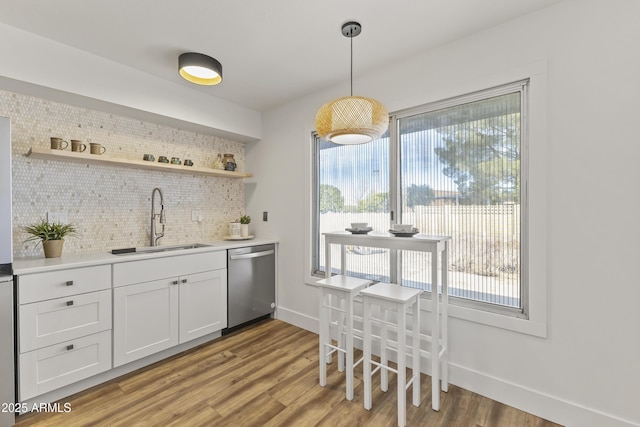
(352, 119)
(200, 69)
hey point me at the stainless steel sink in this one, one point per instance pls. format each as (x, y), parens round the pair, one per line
(155, 249)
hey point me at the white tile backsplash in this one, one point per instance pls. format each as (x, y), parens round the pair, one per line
(111, 206)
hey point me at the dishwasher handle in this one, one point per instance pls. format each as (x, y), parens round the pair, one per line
(252, 255)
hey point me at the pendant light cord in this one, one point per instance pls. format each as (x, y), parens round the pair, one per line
(351, 37)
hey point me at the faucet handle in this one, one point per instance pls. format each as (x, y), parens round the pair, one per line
(163, 218)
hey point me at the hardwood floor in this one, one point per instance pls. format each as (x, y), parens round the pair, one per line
(266, 375)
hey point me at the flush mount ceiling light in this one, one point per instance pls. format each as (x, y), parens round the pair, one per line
(200, 69)
(352, 119)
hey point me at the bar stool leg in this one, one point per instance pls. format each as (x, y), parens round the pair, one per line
(416, 352)
(340, 339)
(384, 359)
(349, 347)
(402, 371)
(323, 338)
(366, 362)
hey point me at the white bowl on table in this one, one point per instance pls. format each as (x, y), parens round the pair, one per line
(403, 228)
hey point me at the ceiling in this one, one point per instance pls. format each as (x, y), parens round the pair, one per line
(271, 51)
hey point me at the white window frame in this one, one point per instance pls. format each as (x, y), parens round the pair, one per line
(534, 268)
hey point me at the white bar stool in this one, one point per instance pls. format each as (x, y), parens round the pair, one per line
(391, 297)
(344, 289)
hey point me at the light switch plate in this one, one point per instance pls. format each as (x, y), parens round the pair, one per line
(196, 215)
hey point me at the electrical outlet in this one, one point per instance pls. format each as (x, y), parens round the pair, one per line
(196, 215)
(57, 217)
(265, 216)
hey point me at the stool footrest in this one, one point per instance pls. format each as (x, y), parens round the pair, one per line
(380, 365)
(331, 307)
(357, 362)
(376, 370)
(411, 381)
(334, 349)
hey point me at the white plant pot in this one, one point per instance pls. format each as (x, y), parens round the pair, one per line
(235, 229)
(245, 230)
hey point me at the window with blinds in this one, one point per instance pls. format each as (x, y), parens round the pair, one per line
(353, 186)
(450, 168)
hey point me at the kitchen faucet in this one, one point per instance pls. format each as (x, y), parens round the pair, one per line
(163, 220)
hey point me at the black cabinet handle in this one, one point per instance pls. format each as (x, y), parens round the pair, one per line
(184, 280)
(70, 302)
(175, 282)
(70, 347)
(69, 283)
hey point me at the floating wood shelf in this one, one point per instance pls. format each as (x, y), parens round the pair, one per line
(71, 156)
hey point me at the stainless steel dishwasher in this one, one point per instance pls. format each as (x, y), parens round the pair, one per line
(251, 285)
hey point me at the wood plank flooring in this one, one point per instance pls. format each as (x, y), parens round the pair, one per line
(266, 375)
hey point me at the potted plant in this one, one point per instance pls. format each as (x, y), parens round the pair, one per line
(51, 235)
(244, 221)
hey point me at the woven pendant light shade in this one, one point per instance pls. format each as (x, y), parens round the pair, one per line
(352, 120)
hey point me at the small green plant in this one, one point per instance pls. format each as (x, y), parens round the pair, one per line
(245, 219)
(45, 231)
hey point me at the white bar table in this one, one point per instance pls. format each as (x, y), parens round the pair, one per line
(438, 246)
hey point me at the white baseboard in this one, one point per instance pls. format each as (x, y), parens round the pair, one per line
(298, 319)
(540, 404)
(543, 405)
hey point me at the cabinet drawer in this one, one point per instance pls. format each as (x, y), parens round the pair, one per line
(128, 273)
(58, 284)
(45, 323)
(61, 364)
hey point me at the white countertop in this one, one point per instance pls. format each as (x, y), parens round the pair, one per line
(41, 264)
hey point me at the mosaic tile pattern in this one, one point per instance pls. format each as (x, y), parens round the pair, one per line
(111, 206)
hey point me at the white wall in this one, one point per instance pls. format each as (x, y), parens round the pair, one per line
(586, 372)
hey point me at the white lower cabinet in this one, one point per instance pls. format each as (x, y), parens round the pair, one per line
(79, 322)
(158, 314)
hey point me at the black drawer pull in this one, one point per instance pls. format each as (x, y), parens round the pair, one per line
(175, 282)
(70, 302)
(69, 283)
(184, 280)
(70, 347)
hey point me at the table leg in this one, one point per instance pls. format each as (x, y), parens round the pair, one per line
(340, 337)
(366, 344)
(444, 363)
(327, 260)
(402, 368)
(435, 334)
(416, 352)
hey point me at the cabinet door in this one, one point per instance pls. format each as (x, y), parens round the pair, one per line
(145, 319)
(203, 304)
